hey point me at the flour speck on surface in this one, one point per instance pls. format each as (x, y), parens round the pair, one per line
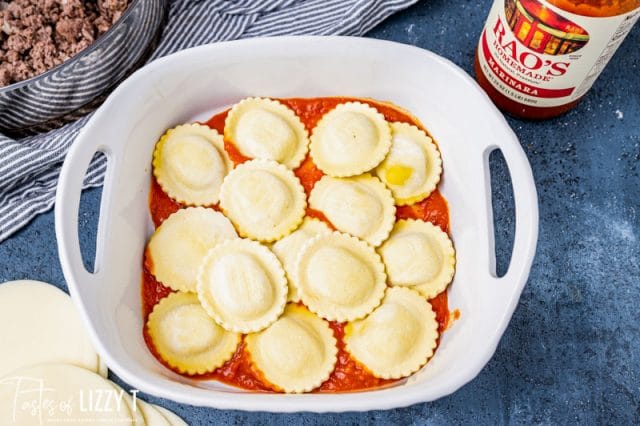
(411, 34)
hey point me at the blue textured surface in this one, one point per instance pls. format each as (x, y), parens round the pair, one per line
(571, 353)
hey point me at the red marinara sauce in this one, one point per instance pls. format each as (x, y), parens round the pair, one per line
(591, 8)
(348, 375)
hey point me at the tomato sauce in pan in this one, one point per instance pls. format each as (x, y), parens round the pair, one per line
(349, 375)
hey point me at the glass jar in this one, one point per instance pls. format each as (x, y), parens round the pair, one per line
(537, 58)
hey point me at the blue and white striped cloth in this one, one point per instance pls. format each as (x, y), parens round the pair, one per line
(29, 167)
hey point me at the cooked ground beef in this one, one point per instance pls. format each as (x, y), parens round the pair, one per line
(36, 35)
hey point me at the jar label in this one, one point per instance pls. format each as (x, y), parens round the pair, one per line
(539, 55)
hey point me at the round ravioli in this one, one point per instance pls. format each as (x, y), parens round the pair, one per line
(189, 163)
(350, 139)
(242, 286)
(397, 338)
(186, 337)
(264, 128)
(178, 246)
(413, 166)
(420, 255)
(264, 199)
(296, 353)
(361, 206)
(340, 277)
(288, 248)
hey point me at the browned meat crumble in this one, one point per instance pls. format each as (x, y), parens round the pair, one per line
(36, 35)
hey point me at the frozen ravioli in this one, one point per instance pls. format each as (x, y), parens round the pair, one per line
(420, 255)
(264, 200)
(413, 166)
(177, 247)
(186, 337)
(296, 353)
(361, 206)
(265, 128)
(288, 249)
(351, 139)
(190, 162)
(340, 277)
(397, 338)
(242, 285)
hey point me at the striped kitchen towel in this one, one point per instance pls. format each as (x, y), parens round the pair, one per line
(29, 167)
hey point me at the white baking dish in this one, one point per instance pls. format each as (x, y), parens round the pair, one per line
(193, 83)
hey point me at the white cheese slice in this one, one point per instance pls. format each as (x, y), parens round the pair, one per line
(152, 416)
(39, 323)
(173, 418)
(128, 399)
(103, 369)
(47, 394)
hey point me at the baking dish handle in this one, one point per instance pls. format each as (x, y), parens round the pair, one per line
(525, 240)
(67, 208)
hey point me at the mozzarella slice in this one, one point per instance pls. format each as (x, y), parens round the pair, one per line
(413, 166)
(264, 199)
(288, 249)
(189, 163)
(296, 353)
(134, 407)
(61, 394)
(173, 418)
(340, 277)
(420, 255)
(39, 323)
(397, 338)
(186, 337)
(152, 416)
(103, 369)
(178, 246)
(361, 206)
(266, 129)
(242, 285)
(350, 139)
